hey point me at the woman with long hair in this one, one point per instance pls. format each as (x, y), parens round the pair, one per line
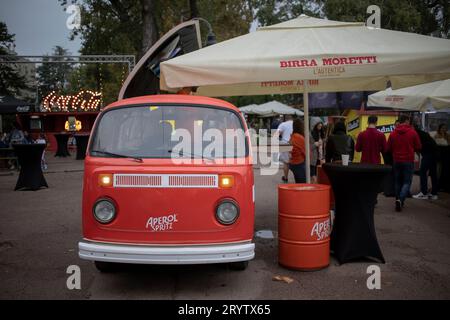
(441, 137)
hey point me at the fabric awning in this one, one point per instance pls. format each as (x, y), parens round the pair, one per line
(332, 56)
(270, 109)
(9, 104)
(425, 97)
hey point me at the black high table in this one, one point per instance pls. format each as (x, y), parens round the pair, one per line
(82, 142)
(444, 159)
(61, 140)
(355, 188)
(29, 157)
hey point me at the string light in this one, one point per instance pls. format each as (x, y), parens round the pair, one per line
(85, 100)
(123, 73)
(101, 82)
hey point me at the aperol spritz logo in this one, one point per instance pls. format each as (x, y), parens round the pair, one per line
(162, 223)
(321, 230)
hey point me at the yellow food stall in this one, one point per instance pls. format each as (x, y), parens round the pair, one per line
(357, 121)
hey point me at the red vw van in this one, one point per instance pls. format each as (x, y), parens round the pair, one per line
(159, 189)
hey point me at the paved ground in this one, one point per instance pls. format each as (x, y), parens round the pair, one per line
(39, 233)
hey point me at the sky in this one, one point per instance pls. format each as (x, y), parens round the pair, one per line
(38, 25)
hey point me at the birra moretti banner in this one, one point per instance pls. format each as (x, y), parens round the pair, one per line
(331, 56)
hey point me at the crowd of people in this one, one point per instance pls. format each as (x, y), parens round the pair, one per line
(19, 136)
(398, 150)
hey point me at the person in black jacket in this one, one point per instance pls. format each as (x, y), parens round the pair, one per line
(428, 166)
(339, 143)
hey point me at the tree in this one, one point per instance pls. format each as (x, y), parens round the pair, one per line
(270, 12)
(55, 76)
(418, 16)
(149, 27)
(193, 9)
(11, 82)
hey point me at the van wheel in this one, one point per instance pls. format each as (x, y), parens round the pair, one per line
(105, 267)
(238, 266)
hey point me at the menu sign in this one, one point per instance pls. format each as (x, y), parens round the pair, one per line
(352, 125)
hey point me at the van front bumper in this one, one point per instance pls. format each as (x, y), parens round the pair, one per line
(201, 254)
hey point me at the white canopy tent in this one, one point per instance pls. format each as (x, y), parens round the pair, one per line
(431, 96)
(250, 109)
(310, 55)
(270, 109)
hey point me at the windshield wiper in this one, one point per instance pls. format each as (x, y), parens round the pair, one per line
(188, 154)
(117, 155)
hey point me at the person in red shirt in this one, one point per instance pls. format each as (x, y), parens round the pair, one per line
(297, 161)
(371, 143)
(402, 143)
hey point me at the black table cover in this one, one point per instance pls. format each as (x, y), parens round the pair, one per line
(444, 160)
(355, 188)
(29, 157)
(61, 140)
(82, 142)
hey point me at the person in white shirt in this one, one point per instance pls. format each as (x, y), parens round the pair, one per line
(285, 131)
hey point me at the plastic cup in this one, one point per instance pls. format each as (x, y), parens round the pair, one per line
(345, 159)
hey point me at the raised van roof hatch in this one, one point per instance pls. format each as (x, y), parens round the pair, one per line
(144, 79)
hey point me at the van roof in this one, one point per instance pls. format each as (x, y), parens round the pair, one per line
(172, 98)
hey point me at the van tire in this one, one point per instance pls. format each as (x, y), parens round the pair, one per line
(105, 267)
(238, 266)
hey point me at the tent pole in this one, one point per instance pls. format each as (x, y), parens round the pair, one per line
(306, 131)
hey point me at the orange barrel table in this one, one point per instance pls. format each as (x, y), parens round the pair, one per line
(304, 226)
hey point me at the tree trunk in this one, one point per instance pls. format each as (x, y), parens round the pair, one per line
(194, 9)
(150, 29)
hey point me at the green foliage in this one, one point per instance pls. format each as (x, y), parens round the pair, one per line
(55, 76)
(418, 16)
(270, 12)
(116, 26)
(11, 82)
(229, 18)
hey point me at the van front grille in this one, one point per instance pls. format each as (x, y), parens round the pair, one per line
(122, 180)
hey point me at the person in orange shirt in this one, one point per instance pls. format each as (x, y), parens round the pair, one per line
(297, 162)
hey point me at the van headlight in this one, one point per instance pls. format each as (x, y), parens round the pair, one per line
(104, 211)
(227, 212)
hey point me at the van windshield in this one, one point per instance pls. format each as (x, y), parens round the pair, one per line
(169, 131)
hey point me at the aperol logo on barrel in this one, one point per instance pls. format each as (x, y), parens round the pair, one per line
(321, 230)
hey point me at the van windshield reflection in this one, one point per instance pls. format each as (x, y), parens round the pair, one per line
(170, 131)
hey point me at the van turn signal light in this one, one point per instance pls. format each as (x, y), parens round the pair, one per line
(105, 180)
(226, 181)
